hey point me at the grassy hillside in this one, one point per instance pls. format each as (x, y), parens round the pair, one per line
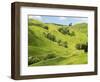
(53, 44)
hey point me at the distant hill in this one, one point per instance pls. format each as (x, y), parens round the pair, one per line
(54, 44)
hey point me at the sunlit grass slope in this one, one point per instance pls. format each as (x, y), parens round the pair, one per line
(44, 51)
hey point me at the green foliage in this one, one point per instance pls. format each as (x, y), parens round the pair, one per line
(82, 46)
(32, 60)
(51, 37)
(70, 24)
(71, 33)
(64, 44)
(45, 27)
(50, 56)
(59, 41)
(64, 30)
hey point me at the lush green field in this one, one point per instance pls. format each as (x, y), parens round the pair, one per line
(55, 44)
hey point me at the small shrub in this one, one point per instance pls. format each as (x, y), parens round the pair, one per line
(72, 33)
(45, 34)
(60, 44)
(64, 44)
(82, 47)
(85, 47)
(64, 30)
(59, 41)
(45, 27)
(78, 46)
(36, 59)
(32, 60)
(50, 56)
(51, 37)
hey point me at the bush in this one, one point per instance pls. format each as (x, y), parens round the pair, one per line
(64, 44)
(85, 47)
(72, 33)
(45, 27)
(50, 56)
(45, 34)
(32, 60)
(60, 44)
(78, 46)
(64, 30)
(82, 47)
(51, 37)
(59, 41)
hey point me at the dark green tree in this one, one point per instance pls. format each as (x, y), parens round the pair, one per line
(45, 27)
(50, 56)
(51, 37)
(82, 47)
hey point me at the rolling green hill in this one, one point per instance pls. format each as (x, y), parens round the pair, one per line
(52, 44)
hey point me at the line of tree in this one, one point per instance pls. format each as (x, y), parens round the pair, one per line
(36, 59)
(53, 38)
(65, 30)
(64, 44)
(50, 36)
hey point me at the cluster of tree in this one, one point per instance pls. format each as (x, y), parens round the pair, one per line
(64, 44)
(32, 60)
(53, 38)
(46, 27)
(50, 36)
(65, 30)
(82, 47)
(72, 33)
(36, 59)
(50, 56)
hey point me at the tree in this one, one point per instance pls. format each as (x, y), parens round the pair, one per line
(72, 33)
(32, 60)
(65, 44)
(45, 27)
(70, 24)
(82, 47)
(64, 30)
(50, 56)
(51, 37)
(45, 34)
(59, 41)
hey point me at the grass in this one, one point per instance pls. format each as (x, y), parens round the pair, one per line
(40, 46)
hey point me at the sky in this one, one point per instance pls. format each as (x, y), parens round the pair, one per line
(64, 20)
